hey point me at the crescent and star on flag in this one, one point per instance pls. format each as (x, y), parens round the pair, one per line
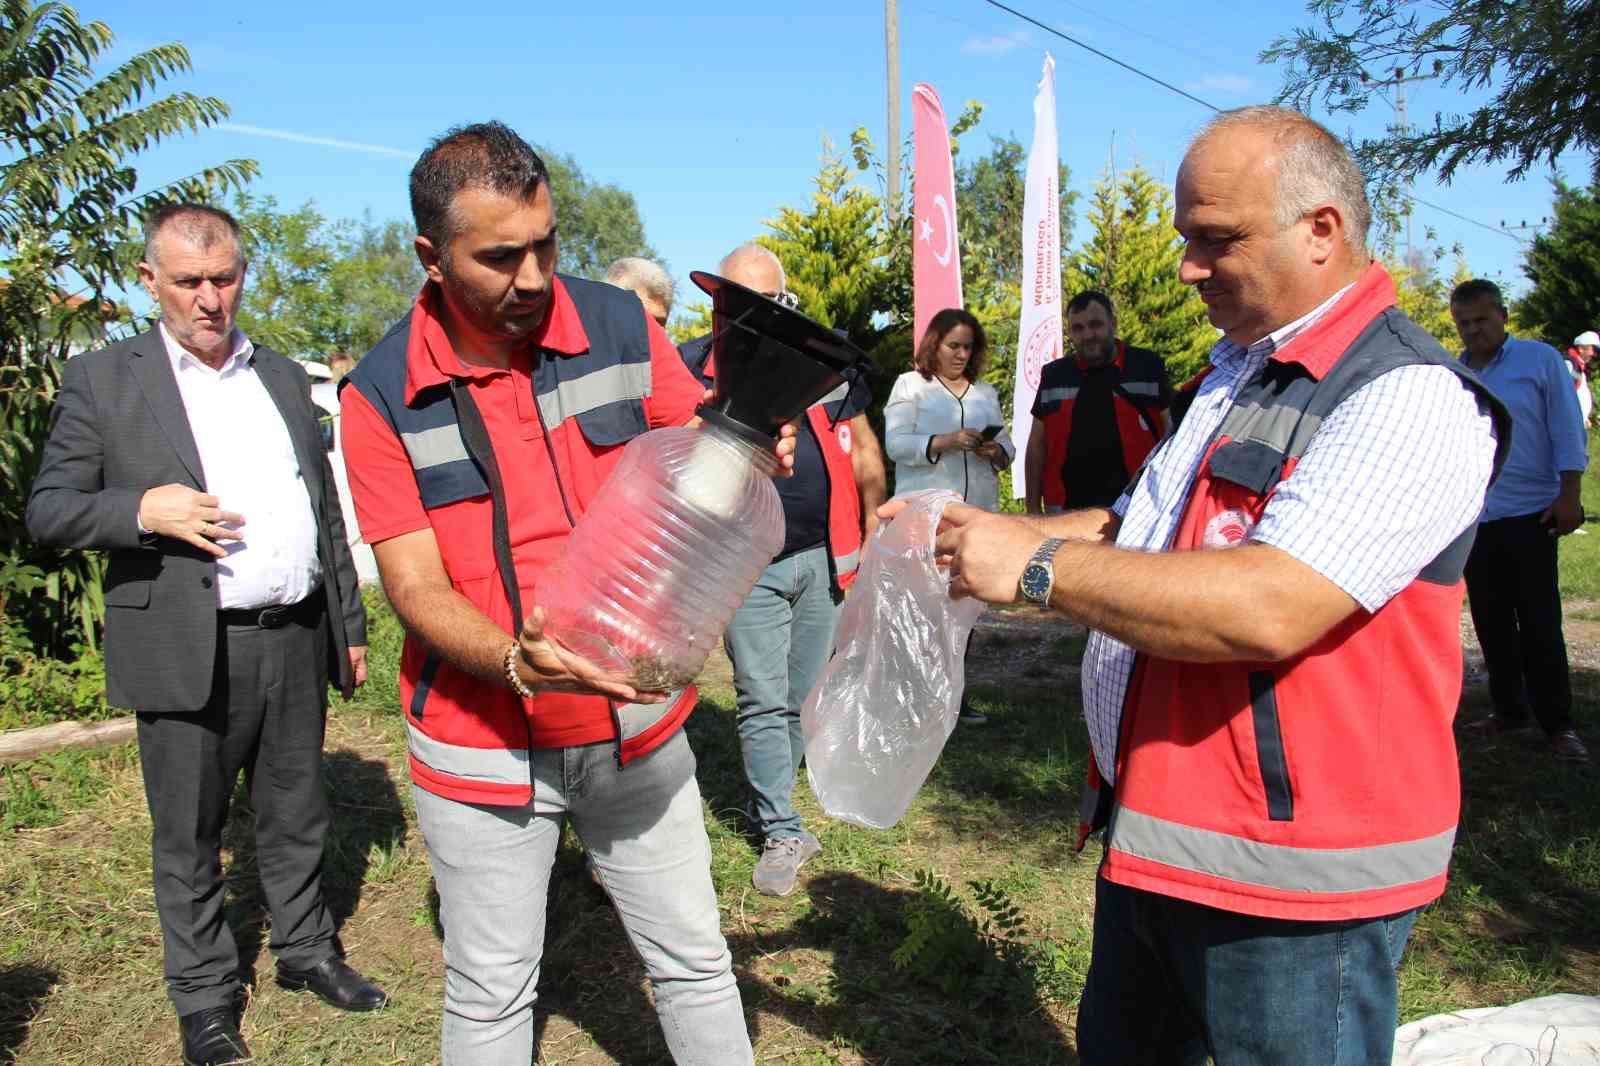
(925, 227)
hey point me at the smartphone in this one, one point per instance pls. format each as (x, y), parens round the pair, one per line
(991, 432)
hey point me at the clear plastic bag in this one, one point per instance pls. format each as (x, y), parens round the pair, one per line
(888, 699)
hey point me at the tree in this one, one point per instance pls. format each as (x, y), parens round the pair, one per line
(317, 287)
(70, 213)
(1132, 255)
(1424, 295)
(1539, 55)
(599, 223)
(833, 254)
(1563, 268)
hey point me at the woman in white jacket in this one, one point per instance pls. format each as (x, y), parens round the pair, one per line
(942, 426)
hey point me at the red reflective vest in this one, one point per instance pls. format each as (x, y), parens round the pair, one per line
(471, 740)
(1323, 787)
(1136, 399)
(844, 499)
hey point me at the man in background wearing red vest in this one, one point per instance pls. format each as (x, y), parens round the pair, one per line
(782, 634)
(1275, 658)
(477, 433)
(1097, 414)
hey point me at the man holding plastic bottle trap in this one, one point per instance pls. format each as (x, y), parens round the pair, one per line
(1275, 657)
(496, 438)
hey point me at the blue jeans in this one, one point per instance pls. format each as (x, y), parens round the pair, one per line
(645, 833)
(1171, 982)
(779, 641)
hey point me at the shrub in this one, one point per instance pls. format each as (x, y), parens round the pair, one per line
(36, 690)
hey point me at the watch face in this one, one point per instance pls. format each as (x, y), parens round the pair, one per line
(1036, 581)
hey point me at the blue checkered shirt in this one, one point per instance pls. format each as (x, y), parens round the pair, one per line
(1391, 478)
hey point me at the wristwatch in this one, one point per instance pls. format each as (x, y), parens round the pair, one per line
(1039, 575)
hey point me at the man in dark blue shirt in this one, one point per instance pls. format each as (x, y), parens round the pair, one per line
(782, 635)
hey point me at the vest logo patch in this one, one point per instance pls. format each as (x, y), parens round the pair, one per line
(842, 431)
(1226, 529)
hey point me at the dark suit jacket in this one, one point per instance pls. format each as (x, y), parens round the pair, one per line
(119, 429)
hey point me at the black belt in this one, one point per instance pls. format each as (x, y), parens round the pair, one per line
(306, 612)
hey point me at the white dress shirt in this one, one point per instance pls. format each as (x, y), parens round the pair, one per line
(250, 467)
(1391, 478)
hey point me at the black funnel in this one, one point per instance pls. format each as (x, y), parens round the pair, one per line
(770, 361)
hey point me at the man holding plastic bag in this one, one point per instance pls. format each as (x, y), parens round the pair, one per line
(1275, 659)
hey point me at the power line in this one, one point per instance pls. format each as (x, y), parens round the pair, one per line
(1464, 218)
(1102, 55)
(1183, 50)
(1213, 107)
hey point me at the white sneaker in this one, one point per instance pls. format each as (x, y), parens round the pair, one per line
(780, 862)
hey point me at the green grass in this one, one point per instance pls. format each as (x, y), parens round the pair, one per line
(1579, 564)
(959, 936)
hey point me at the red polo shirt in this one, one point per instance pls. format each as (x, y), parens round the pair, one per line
(537, 473)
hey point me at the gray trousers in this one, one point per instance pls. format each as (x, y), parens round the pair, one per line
(645, 831)
(265, 716)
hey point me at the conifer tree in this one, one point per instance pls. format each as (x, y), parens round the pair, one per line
(1563, 265)
(833, 254)
(1132, 255)
(1424, 295)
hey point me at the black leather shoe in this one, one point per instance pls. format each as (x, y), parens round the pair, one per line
(335, 982)
(211, 1037)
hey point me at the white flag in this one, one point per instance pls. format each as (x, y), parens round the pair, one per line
(1039, 333)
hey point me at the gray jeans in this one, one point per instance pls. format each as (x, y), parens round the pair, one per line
(645, 832)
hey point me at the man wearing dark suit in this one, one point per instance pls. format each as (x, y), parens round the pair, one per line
(222, 635)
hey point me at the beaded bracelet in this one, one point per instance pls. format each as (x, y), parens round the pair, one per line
(514, 679)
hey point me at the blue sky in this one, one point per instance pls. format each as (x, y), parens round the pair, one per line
(714, 114)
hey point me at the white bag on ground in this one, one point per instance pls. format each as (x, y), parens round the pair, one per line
(1548, 1031)
(888, 699)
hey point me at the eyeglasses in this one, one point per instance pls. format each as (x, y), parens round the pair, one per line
(785, 297)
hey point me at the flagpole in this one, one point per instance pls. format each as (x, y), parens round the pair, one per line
(891, 42)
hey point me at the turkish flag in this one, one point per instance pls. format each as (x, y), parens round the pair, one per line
(936, 258)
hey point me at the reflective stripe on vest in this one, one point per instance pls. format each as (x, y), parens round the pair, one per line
(1287, 429)
(1142, 388)
(509, 766)
(1058, 395)
(429, 448)
(1276, 866)
(496, 766)
(603, 389)
(621, 382)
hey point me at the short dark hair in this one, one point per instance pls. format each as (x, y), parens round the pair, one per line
(1082, 301)
(1476, 289)
(927, 357)
(484, 155)
(200, 224)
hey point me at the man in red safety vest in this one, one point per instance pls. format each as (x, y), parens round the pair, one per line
(1274, 660)
(1098, 412)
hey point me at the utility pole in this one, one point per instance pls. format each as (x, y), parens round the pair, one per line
(891, 42)
(1398, 82)
(1524, 226)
